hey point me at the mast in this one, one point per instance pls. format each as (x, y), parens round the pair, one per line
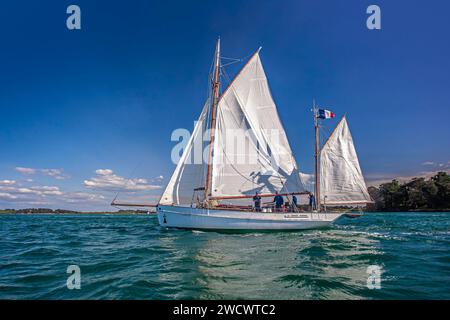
(316, 155)
(215, 89)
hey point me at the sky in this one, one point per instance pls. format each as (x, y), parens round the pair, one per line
(89, 113)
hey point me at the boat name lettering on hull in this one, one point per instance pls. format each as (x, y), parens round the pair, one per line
(296, 216)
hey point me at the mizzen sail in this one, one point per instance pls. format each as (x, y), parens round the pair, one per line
(341, 180)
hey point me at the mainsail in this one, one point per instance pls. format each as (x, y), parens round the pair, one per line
(341, 180)
(251, 150)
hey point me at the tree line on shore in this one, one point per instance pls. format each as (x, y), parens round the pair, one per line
(61, 211)
(431, 194)
(418, 194)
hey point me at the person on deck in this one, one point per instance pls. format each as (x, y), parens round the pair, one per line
(312, 201)
(257, 201)
(294, 201)
(278, 201)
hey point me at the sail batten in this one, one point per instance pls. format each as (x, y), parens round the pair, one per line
(341, 179)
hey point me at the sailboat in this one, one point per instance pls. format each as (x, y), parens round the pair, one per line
(215, 193)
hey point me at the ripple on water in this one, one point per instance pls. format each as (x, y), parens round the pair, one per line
(131, 257)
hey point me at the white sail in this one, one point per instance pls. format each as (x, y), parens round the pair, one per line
(250, 153)
(251, 150)
(341, 180)
(190, 171)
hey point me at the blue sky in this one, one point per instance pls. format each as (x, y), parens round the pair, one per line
(107, 97)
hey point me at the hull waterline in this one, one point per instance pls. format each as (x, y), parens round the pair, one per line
(214, 219)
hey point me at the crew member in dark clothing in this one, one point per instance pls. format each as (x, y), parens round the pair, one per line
(294, 200)
(257, 201)
(278, 201)
(312, 201)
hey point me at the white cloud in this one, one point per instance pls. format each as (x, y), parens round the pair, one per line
(7, 196)
(377, 179)
(26, 171)
(40, 203)
(24, 193)
(83, 197)
(307, 180)
(36, 190)
(108, 181)
(55, 173)
(432, 170)
(103, 172)
(46, 190)
(440, 165)
(51, 196)
(7, 182)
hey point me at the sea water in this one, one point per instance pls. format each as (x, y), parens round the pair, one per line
(131, 257)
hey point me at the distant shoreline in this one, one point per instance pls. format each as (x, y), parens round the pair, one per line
(68, 212)
(142, 212)
(74, 213)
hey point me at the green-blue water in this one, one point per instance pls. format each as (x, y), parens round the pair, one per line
(131, 257)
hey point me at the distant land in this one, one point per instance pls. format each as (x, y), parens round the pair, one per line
(63, 211)
(418, 194)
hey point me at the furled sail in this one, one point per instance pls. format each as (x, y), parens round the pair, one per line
(341, 180)
(251, 149)
(190, 171)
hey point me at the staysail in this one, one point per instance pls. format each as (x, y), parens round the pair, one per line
(190, 171)
(251, 149)
(341, 180)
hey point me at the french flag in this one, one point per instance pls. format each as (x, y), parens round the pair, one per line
(325, 114)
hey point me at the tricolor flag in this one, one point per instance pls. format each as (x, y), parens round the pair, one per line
(325, 114)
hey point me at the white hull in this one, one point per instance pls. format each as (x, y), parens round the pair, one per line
(193, 218)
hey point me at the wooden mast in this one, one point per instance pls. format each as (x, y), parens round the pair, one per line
(215, 89)
(316, 156)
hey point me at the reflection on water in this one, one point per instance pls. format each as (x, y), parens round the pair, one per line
(131, 257)
(295, 265)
